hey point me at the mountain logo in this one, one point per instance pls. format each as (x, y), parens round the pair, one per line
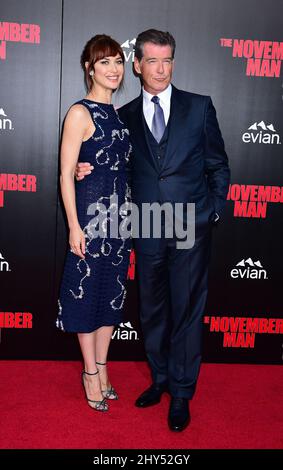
(248, 269)
(128, 49)
(125, 332)
(261, 133)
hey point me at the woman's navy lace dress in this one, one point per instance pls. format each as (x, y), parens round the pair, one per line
(93, 290)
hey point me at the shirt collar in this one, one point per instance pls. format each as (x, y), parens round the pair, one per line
(164, 96)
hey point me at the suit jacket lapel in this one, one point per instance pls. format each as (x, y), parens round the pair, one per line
(138, 134)
(178, 113)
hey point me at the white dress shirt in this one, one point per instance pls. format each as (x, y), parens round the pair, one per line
(148, 105)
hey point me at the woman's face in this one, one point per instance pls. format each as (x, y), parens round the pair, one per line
(108, 72)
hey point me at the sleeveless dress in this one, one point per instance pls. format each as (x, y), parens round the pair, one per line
(93, 289)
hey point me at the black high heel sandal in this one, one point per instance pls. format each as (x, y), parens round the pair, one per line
(99, 405)
(110, 393)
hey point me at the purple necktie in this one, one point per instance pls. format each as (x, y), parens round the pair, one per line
(158, 121)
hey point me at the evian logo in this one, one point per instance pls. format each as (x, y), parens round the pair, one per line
(5, 123)
(4, 265)
(261, 133)
(125, 331)
(128, 49)
(248, 269)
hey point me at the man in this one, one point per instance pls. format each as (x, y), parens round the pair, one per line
(178, 156)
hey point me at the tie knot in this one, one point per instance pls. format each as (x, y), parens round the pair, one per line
(155, 99)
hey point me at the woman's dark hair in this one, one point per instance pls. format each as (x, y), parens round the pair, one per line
(160, 38)
(97, 48)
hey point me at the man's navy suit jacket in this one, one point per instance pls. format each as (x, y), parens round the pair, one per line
(195, 167)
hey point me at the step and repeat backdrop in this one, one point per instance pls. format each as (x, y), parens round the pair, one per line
(230, 50)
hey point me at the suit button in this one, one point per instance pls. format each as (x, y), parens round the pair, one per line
(161, 178)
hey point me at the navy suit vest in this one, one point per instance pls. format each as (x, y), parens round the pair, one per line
(157, 149)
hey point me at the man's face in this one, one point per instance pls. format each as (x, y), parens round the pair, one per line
(155, 67)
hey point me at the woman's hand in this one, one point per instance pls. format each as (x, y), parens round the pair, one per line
(77, 241)
(82, 170)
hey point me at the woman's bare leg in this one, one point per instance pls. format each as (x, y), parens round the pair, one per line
(102, 341)
(91, 382)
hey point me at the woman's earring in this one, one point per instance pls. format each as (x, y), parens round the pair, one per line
(91, 73)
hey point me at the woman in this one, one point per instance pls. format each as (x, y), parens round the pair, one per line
(93, 284)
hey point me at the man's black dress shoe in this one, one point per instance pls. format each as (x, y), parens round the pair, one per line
(151, 396)
(179, 414)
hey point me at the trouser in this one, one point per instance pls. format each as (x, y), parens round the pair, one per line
(173, 292)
